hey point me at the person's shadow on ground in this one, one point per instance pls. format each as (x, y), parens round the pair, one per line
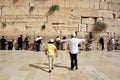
(44, 68)
(58, 65)
(39, 67)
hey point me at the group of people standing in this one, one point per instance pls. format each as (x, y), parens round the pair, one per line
(9, 44)
(110, 45)
(21, 43)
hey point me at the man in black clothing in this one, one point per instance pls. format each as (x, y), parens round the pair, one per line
(38, 42)
(3, 43)
(10, 45)
(26, 41)
(20, 42)
(101, 41)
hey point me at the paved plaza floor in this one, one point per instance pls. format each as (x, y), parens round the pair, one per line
(31, 65)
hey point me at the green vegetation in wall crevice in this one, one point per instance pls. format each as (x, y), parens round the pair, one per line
(3, 24)
(99, 26)
(52, 9)
(31, 8)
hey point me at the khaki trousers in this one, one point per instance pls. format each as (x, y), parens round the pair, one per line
(51, 64)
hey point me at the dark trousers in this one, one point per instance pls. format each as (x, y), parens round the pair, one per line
(102, 46)
(3, 47)
(38, 47)
(19, 46)
(73, 58)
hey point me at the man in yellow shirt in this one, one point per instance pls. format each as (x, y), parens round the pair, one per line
(50, 51)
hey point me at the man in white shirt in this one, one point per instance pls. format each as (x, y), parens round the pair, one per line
(73, 45)
(113, 43)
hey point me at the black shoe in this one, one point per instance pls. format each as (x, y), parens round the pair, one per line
(50, 71)
(76, 68)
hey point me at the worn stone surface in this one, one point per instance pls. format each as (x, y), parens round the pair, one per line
(30, 65)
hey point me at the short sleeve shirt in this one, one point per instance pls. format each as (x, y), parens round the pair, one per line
(51, 49)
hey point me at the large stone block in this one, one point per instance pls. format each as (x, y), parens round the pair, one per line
(113, 28)
(76, 3)
(88, 12)
(14, 11)
(92, 4)
(1, 2)
(97, 5)
(105, 13)
(83, 27)
(114, 1)
(103, 5)
(64, 12)
(25, 19)
(114, 6)
(17, 3)
(110, 21)
(90, 28)
(88, 20)
(24, 11)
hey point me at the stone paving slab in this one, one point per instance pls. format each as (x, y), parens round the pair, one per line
(31, 65)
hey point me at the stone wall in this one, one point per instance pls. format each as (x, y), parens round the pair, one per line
(27, 17)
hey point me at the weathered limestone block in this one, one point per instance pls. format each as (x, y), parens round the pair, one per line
(81, 4)
(81, 35)
(88, 12)
(90, 28)
(110, 28)
(83, 27)
(97, 5)
(53, 20)
(117, 14)
(88, 20)
(15, 27)
(114, 6)
(105, 13)
(110, 21)
(61, 19)
(73, 19)
(33, 25)
(114, 1)
(103, 5)
(17, 3)
(28, 18)
(14, 11)
(1, 2)
(2, 19)
(92, 4)
(64, 12)
(24, 11)
(118, 22)
(77, 3)
(62, 3)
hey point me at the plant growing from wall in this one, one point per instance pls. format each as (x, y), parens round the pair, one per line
(43, 27)
(31, 8)
(99, 26)
(3, 24)
(53, 9)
